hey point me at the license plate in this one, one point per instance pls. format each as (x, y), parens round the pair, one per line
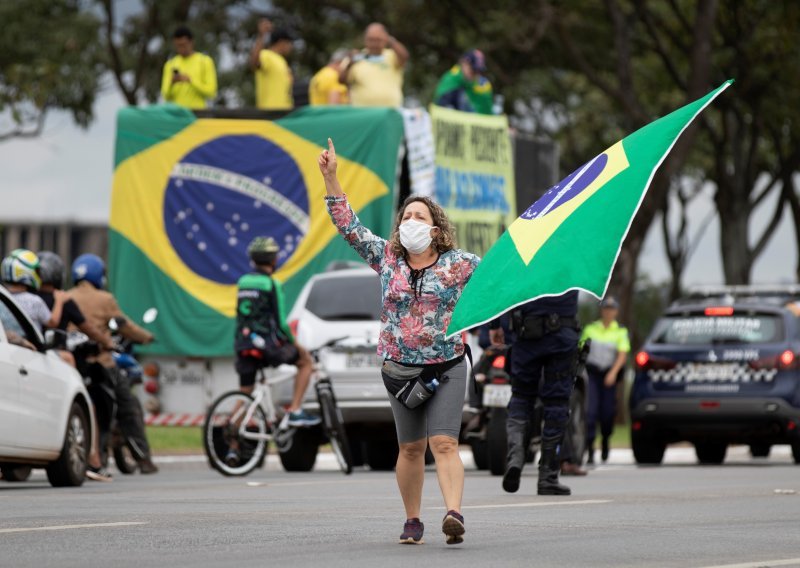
(703, 373)
(496, 395)
(362, 360)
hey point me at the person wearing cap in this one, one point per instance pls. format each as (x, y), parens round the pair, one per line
(273, 75)
(189, 79)
(263, 337)
(464, 87)
(375, 74)
(325, 87)
(610, 348)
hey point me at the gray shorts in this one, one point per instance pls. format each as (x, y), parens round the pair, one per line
(440, 416)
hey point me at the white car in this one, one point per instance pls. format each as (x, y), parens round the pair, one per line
(347, 303)
(45, 417)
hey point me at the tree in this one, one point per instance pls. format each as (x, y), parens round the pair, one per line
(50, 59)
(139, 44)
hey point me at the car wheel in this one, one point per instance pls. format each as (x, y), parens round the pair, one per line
(710, 453)
(760, 450)
(16, 472)
(69, 470)
(301, 454)
(648, 447)
(480, 453)
(382, 454)
(496, 441)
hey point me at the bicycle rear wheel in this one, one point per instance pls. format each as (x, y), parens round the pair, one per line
(334, 430)
(228, 451)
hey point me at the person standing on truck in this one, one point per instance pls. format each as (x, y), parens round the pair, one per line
(375, 74)
(610, 348)
(99, 307)
(189, 79)
(545, 351)
(263, 338)
(422, 275)
(273, 75)
(325, 88)
(465, 86)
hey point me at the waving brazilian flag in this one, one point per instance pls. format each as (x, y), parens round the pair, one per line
(189, 194)
(570, 238)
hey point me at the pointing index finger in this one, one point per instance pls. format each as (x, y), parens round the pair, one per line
(331, 149)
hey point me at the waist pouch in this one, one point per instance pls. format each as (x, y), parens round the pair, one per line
(409, 383)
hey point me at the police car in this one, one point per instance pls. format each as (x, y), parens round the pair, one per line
(720, 367)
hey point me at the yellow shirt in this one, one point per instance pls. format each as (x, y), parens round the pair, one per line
(376, 80)
(273, 82)
(325, 82)
(202, 84)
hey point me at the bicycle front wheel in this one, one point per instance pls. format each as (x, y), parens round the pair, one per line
(231, 449)
(334, 430)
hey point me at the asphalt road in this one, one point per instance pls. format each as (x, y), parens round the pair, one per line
(743, 514)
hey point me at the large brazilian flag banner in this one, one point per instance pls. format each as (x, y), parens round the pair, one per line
(189, 194)
(570, 238)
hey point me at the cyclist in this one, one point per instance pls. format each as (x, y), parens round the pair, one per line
(99, 307)
(263, 338)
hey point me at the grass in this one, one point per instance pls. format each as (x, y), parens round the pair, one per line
(187, 440)
(175, 439)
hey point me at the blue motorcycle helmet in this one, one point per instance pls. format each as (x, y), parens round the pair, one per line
(91, 268)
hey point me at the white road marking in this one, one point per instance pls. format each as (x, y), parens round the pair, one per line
(545, 504)
(70, 527)
(760, 564)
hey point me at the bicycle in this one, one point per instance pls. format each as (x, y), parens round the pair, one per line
(247, 423)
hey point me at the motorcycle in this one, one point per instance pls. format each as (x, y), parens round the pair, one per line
(486, 432)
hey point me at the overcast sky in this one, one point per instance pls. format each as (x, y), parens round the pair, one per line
(66, 175)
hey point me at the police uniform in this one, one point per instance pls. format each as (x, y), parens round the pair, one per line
(607, 343)
(545, 351)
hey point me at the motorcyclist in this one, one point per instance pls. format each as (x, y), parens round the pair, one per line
(99, 307)
(51, 273)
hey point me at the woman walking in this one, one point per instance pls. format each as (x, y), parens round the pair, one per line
(422, 275)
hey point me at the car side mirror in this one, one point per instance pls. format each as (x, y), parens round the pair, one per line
(55, 339)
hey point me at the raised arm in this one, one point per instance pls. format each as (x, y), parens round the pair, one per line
(399, 50)
(369, 246)
(264, 29)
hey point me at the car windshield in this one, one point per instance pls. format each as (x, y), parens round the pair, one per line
(346, 298)
(705, 330)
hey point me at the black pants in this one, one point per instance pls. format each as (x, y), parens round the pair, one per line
(130, 418)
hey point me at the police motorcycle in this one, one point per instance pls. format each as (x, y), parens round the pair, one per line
(486, 433)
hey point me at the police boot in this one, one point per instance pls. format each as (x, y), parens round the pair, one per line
(515, 434)
(549, 467)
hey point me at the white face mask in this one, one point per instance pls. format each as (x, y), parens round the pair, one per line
(415, 236)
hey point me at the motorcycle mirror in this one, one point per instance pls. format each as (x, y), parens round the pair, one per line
(150, 315)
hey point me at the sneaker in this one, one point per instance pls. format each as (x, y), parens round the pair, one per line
(147, 466)
(302, 418)
(412, 532)
(232, 458)
(98, 474)
(453, 527)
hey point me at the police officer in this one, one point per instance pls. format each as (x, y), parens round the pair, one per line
(546, 350)
(610, 348)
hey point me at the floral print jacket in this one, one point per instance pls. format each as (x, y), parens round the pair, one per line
(413, 325)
